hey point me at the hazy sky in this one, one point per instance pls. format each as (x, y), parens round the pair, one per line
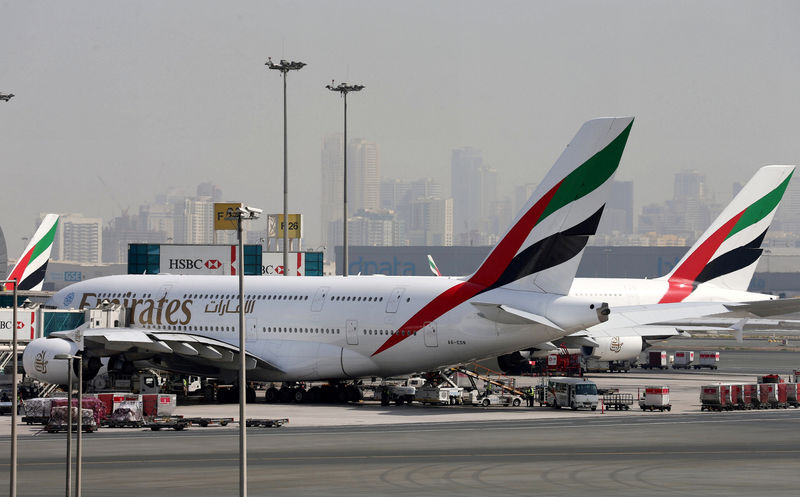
(151, 94)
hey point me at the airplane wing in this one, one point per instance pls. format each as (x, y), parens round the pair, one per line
(177, 351)
(665, 320)
(734, 324)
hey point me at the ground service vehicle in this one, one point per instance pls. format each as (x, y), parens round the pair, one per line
(573, 392)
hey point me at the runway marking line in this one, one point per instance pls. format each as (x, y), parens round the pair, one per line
(438, 456)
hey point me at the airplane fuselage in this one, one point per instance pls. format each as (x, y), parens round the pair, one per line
(631, 291)
(326, 327)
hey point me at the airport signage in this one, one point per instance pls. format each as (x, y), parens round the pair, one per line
(272, 264)
(275, 226)
(224, 216)
(26, 324)
(198, 259)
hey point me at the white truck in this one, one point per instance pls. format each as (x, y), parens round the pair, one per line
(442, 395)
(575, 393)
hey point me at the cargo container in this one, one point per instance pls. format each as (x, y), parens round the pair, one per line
(708, 359)
(715, 398)
(767, 395)
(742, 396)
(655, 398)
(683, 359)
(791, 394)
(656, 359)
(158, 404)
(112, 400)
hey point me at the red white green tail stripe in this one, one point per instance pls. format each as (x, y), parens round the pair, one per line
(31, 266)
(728, 251)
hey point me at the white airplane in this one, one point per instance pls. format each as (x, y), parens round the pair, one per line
(30, 269)
(718, 268)
(328, 328)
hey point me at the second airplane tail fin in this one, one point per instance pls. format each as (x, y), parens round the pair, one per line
(32, 264)
(541, 250)
(727, 254)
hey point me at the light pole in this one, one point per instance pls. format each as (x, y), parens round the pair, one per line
(241, 213)
(284, 67)
(69, 358)
(12, 479)
(343, 90)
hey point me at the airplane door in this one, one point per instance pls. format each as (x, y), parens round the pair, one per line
(319, 299)
(251, 325)
(352, 332)
(429, 331)
(394, 299)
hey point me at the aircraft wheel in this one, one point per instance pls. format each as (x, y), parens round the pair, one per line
(271, 395)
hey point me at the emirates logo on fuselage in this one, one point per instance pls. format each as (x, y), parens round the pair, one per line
(40, 363)
(616, 344)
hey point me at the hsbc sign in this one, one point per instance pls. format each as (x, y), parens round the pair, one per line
(198, 259)
(26, 324)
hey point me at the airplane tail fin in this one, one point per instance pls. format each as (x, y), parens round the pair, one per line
(32, 264)
(727, 254)
(541, 250)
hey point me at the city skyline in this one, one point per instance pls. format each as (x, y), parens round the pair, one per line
(115, 101)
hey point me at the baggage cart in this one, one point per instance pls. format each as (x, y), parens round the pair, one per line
(59, 421)
(656, 359)
(618, 401)
(177, 423)
(127, 415)
(37, 411)
(707, 359)
(715, 398)
(204, 422)
(266, 423)
(683, 359)
(655, 398)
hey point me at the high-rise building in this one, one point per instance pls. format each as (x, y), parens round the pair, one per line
(331, 197)
(473, 186)
(78, 239)
(363, 167)
(431, 222)
(3, 255)
(618, 213)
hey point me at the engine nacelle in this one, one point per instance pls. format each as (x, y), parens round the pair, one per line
(574, 314)
(621, 348)
(38, 359)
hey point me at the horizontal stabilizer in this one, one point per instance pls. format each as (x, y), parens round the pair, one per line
(504, 314)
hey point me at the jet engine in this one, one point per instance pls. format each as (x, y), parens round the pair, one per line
(620, 348)
(39, 362)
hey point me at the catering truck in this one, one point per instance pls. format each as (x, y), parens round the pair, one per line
(573, 392)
